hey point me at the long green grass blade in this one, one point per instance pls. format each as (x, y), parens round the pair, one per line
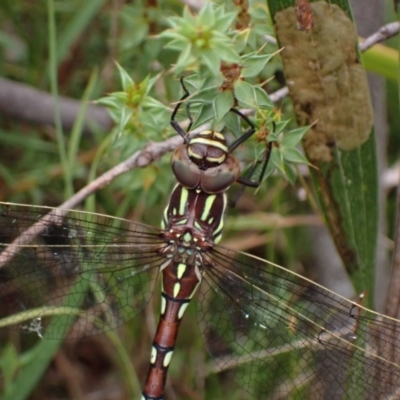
(382, 60)
(68, 189)
(45, 350)
(76, 26)
(77, 129)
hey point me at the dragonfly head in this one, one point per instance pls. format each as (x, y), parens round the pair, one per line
(204, 163)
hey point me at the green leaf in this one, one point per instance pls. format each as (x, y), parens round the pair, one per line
(222, 103)
(187, 18)
(226, 53)
(212, 61)
(291, 154)
(245, 94)
(280, 126)
(290, 174)
(224, 20)
(253, 65)
(205, 95)
(125, 118)
(278, 161)
(262, 99)
(294, 137)
(206, 16)
(126, 80)
(232, 122)
(206, 114)
(341, 145)
(178, 44)
(111, 101)
(185, 58)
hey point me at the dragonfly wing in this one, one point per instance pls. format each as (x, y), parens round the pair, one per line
(287, 337)
(98, 268)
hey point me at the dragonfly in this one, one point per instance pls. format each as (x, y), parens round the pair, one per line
(275, 333)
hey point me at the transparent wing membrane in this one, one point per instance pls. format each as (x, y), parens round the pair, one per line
(275, 333)
(283, 336)
(108, 264)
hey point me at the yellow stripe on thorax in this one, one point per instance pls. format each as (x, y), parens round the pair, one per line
(183, 200)
(208, 206)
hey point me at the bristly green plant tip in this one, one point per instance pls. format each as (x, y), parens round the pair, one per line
(126, 80)
(286, 151)
(133, 109)
(202, 39)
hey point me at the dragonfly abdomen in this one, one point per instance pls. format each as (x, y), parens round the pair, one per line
(179, 283)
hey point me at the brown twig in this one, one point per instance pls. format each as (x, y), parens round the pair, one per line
(386, 32)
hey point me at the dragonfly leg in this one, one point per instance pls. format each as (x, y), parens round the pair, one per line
(173, 121)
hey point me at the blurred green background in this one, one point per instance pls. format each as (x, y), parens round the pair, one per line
(88, 39)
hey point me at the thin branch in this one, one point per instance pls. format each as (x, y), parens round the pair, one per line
(386, 32)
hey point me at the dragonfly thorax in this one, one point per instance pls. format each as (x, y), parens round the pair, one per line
(204, 163)
(194, 218)
(185, 247)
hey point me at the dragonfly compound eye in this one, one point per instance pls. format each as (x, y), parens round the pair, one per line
(213, 179)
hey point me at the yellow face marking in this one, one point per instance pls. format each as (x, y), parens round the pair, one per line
(210, 142)
(219, 135)
(207, 206)
(218, 160)
(163, 305)
(182, 310)
(177, 288)
(167, 358)
(181, 270)
(183, 201)
(194, 155)
(153, 355)
(213, 134)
